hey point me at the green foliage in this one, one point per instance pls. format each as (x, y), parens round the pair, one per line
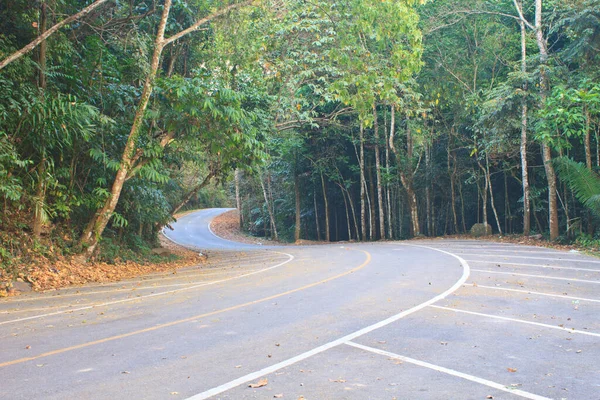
(584, 183)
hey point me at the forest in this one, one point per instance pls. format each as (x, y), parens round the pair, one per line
(319, 120)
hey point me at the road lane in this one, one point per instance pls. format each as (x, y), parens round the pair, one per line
(316, 326)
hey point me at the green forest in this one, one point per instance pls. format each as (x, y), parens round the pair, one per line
(319, 120)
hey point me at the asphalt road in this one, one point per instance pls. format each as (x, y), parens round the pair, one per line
(439, 319)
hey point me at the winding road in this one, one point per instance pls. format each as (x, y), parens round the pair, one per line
(426, 319)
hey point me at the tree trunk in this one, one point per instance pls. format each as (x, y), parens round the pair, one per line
(269, 209)
(387, 187)
(378, 175)
(363, 184)
(40, 200)
(238, 199)
(546, 150)
(452, 175)
(428, 208)
(371, 204)
(489, 181)
(347, 213)
(324, 187)
(191, 193)
(92, 233)
(43, 46)
(588, 162)
(405, 178)
(523, 149)
(297, 228)
(316, 214)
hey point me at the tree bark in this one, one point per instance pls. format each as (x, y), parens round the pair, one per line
(192, 192)
(387, 186)
(238, 199)
(316, 213)
(546, 150)
(269, 209)
(363, 184)
(405, 178)
(489, 181)
(523, 149)
(378, 175)
(297, 228)
(325, 199)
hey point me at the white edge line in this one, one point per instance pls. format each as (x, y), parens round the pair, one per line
(532, 292)
(535, 276)
(522, 321)
(452, 372)
(291, 257)
(507, 264)
(535, 258)
(286, 363)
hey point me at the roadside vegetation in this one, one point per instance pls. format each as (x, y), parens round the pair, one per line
(321, 121)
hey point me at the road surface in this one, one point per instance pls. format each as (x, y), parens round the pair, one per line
(439, 319)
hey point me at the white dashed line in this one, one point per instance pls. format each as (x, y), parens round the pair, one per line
(522, 321)
(533, 293)
(508, 264)
(535, 276)
(539, 258)
(448, 371)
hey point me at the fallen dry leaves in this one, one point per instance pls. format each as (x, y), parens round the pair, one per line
(260, 383)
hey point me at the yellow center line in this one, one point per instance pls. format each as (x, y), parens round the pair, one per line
(189, 319)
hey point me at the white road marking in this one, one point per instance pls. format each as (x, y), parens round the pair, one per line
(508, 264)
(522, 321)
(286, 363)
(538, 258)
(532, 292)
(535, 276)
(291, 257)
(472, 378)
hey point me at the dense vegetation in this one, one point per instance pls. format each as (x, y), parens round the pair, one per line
(342, 120)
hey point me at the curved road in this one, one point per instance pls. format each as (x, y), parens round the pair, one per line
(440, 319)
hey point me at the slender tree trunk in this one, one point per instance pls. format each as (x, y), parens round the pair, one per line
(269, 209)
(316, 213)
(40, 200)
(546, 150)
(428, 208)
(371, 203)
(452, 174)
(363, 184)
(387, 187)
(325, 199)
(489, 181)
(405, 178)
(297, 228)
(523, 149)
(378, 175)
(347, 213)
(191, 193)
(353, 215)
(40, 197)
(462, 207)
(588, 162)
(238, 199)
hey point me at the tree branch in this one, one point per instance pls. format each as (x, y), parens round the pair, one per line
(204, 20)
(20, 53)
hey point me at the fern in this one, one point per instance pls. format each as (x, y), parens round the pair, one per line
(584, 183)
